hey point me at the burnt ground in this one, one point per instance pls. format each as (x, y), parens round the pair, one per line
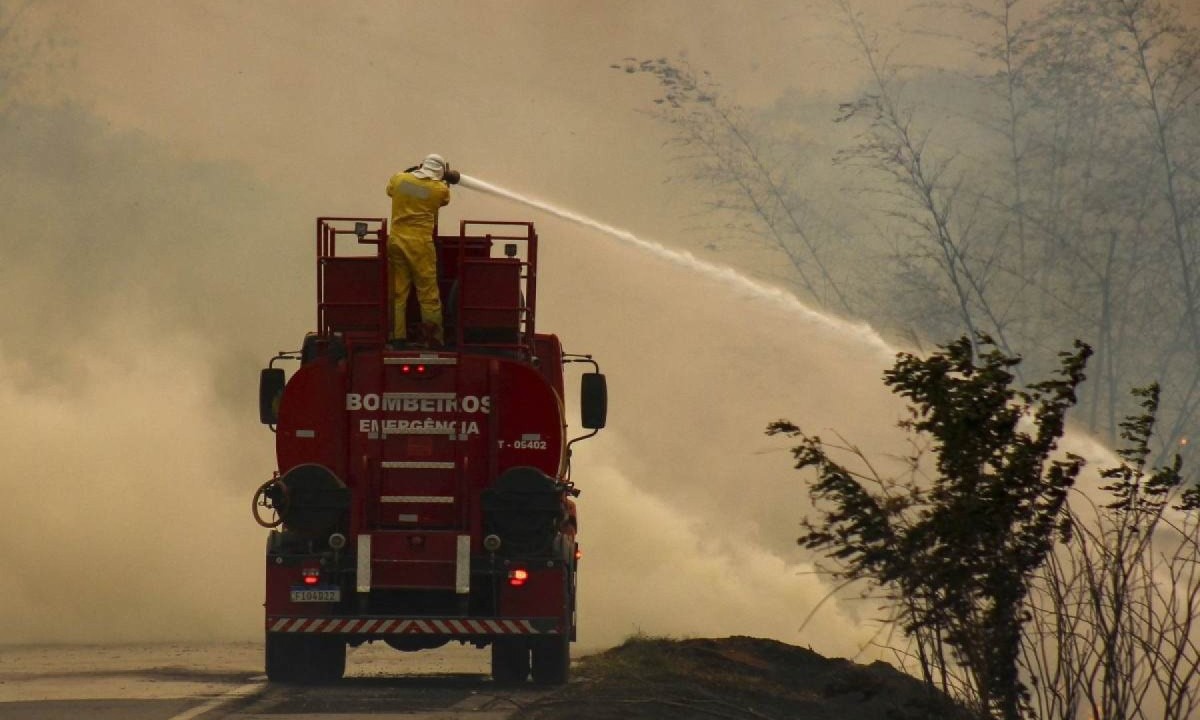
(736, 678)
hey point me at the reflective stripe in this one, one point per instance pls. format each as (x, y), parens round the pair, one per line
(406, 465)
(364, 563)
(462, 569)
(396, 626)
(411, 189)
(418, 431)
(441, 499)
(420, 360)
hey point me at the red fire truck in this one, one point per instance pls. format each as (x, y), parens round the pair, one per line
(423, 495)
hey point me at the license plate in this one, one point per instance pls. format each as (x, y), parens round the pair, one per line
(300, 595)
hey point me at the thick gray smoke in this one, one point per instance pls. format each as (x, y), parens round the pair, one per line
(141, 300)
(158, 249)
(689, 522)
(134, 449)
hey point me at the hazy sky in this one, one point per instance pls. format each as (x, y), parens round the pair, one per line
(326, 98)
(142, 471)
(519, 92)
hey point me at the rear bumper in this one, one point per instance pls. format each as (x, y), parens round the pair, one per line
(380, 627)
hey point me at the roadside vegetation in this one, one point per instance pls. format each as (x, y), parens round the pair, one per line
(735, 678)
(1042, 186)
(1025, 587)
(1046, 188)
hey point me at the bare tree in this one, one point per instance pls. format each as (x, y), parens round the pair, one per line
(1073, 269)
(717, 143)
(1024, 593)
(1115, 611)
(1092, 109)
(930, 192)
(1055, 193)
(1165, 59)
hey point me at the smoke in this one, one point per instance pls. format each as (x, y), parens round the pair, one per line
(120, 495)
(158, 285)
(689, 514)
(159, 250)
(651, 567)
(141, 301)
(135, 451)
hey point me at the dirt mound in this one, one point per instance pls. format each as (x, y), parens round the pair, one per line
(740, 678)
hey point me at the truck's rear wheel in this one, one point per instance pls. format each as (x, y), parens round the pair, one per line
(306, 660)
(329, 658)
(552, 659)
(510, 661)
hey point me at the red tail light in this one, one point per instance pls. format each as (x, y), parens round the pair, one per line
(517, 577)
(312, 576)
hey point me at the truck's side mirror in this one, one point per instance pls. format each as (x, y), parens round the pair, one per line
(593, 401)
(270, 390)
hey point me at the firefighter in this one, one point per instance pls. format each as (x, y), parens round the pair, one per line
(417, 195)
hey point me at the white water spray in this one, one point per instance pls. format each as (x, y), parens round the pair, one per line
(685, 470)
(722, 273)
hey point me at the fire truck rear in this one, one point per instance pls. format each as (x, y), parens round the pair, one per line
(423, 495)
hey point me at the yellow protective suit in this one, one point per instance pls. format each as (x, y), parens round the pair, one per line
(411, 255)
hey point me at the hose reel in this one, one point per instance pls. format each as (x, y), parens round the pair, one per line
(308, 500)
(524, 509)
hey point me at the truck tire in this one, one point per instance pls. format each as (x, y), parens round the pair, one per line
(510, 661)
(328, 659)
(552, 659)
(283, 660)
(304, 660)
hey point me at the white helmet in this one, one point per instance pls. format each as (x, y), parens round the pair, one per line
(432, 168)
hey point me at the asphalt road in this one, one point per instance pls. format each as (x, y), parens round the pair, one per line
(213, 681)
